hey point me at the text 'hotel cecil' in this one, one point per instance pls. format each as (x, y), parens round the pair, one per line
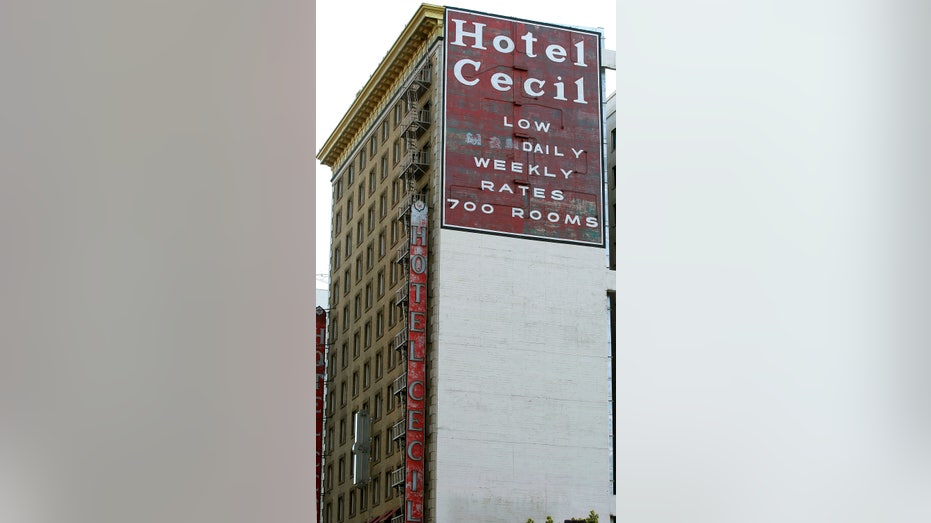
(464, 363)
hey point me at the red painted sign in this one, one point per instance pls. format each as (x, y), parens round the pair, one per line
(523, 135)
(321, 378)
(416, 366)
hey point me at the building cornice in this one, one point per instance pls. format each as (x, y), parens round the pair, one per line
(426, 22)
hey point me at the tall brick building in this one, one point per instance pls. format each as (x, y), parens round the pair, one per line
(468, 349)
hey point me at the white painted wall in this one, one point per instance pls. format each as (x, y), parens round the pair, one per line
(520, 376)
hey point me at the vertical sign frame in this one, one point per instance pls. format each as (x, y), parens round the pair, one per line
(416, 366)
(320, 382)
(522, 141)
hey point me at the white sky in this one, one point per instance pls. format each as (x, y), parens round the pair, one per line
(375, 26)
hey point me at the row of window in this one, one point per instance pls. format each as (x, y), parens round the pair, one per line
(398, 146)
(365, 381)
(378, 490)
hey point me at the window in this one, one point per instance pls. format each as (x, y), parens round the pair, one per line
(389, 400)
(362, 499)
(339, 509)
(361, 162)
(350, 176)
(342, 439)
(366, 375)
(355, 345)
(381, 283)
(360, 232)
(381, 244)
(375, 491)
(361, 193)
(391, 315)
(396, 151)
(371, 218)
(329, 476)
(368, 296)
(395, 194)
(345, 357)
(352, 503)
(337, 223)
(384, 167)
(368, 334)
(336, 258)
(379, 363)
(339, 189)
(394, 232)
(379, 324)
(377, 413)
(349, 209)
(373, 146)
(384, 131)
(358, 306)
(613, 139)
(345, 321)
(383, 205)
(335, 329)
(349, 244)
(328, 513)
(376, 447)
(369, 257)
(335, 296)
(342, 402)
(359, 268)
(355, 384)
(397, 114)
(348, 280)
(372, 181)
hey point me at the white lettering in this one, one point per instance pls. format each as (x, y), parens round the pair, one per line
(529, 90)
(573, 220)
(579, 53)
(579, 84)
(488, 185)
(577, 151)
(556, 53)
(457, 70)
(565, 172)
(477, 35)
(483, 162)
(529, 39)
(506, 47)
(557, 195)
(559, 89)
(498, 165)
(591, 221)
(517, 213)
(501, 82)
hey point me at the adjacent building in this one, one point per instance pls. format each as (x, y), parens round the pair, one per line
(468, 347)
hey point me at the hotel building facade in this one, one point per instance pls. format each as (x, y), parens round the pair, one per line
(466, 362)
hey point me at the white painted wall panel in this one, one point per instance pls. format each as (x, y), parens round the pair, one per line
(521, 356)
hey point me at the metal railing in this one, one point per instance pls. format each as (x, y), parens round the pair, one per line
(399, 385)
(400, 295)
(400, 340)
(397, 477)
(398, 430)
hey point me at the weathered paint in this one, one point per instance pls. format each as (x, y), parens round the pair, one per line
(522, 138)
(416, 367)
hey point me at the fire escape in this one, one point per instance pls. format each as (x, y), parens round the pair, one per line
(414, 165)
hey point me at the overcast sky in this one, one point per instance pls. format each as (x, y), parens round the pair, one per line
(341, 74)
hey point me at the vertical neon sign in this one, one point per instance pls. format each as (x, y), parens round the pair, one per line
(416, 366)
(321, 377)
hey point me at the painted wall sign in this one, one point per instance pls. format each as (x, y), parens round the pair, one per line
(321, 378)
(522, 138)
(416, 366)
